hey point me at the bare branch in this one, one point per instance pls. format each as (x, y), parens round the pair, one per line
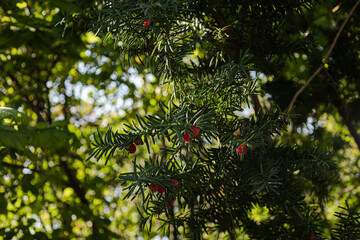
(318, 70)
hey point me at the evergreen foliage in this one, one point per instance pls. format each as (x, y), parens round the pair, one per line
(348, 226)
(219, 186)
(206, 147)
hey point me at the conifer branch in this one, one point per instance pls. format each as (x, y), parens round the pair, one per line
(222, 23)
(257, 106)
(318, 70)
(348, 226)
(264, 174)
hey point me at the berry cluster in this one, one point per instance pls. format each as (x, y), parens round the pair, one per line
(161, 189)
(195, 131)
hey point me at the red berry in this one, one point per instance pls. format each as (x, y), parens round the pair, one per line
(153, 188)
(132, 148)
(311, 236)
(157, 188)
(170, 204)
(186, 137)
(138, 141)
(194, 132)
(175, 182)
(160, 188)
(240, 149)
(146, 22)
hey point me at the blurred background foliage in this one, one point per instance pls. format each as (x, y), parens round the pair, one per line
(68, 82)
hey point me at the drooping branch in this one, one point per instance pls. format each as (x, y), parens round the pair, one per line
(318, 70)
(304, 86)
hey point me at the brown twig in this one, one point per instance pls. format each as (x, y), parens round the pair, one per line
(298, 213)
(304, 86)
(256, 105)
(318, 70)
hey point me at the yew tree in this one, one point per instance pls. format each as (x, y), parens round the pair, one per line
(209, 165)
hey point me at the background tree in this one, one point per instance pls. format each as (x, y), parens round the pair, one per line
(61, 84)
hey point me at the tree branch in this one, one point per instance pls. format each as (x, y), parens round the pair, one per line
(318, 70)
(49, 73)
(222, 23)
(256, 105)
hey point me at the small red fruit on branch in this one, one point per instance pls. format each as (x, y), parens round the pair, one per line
(146, 22)
(242, 149)
(153, 188)
(194, 132)
(311, 237)
(157, 188)
(138, 141)
(161, 189)
(170, 204)
(131, 148)
(175, 182)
